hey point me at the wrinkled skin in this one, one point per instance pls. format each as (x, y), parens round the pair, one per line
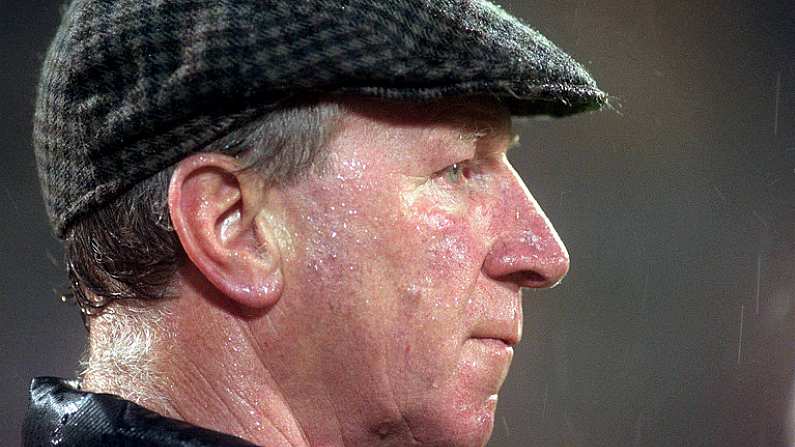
(403, 258)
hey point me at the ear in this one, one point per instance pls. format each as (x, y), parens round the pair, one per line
(214, 209)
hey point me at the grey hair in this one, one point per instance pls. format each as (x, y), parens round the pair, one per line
(122, 353)
(127, 253)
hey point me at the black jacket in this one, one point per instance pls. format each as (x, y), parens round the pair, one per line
(61, 415)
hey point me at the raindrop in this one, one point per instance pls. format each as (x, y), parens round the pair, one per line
(57, 435)
(740, 338)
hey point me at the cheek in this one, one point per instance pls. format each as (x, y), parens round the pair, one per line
(337, 219)
(443, 233)
(440, 256)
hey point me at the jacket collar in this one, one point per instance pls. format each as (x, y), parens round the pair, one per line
(60, 414)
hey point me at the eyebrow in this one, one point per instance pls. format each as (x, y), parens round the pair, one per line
(471, 137)
(471, 130)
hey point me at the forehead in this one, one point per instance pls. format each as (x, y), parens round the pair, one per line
(415, 137)
(459, 114)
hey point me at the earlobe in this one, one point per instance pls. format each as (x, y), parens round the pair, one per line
(213, 208)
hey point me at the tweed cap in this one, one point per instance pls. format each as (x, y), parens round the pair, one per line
(129, 87)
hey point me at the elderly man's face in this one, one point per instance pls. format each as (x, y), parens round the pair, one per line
(407, 251)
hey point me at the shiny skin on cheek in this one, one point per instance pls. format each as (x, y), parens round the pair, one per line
(444, 373)
(396, 267)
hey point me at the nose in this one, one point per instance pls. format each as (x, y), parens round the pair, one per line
(528, 251)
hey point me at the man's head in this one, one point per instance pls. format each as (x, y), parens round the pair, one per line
(383, 275)
(353, 259)
(390, 277)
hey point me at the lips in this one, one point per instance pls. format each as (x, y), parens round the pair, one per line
(495, 342)
(487, 363)
(497, 316)
(507, 333)
(496, 345)
(491, 360)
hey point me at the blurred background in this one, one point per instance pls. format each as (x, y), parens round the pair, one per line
(676, 325)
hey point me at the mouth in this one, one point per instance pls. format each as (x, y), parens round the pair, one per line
(501, 326)
(486, 358)
(496, 344)
(507, 338)
(500, 342)
(489, 358)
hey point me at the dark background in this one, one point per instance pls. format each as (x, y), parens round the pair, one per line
(676, 325)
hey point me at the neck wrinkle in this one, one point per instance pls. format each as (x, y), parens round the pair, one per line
(287, 426)
(234, 393)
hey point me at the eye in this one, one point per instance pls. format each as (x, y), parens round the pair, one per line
(456, 173)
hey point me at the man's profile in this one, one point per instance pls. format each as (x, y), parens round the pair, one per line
(293, 223)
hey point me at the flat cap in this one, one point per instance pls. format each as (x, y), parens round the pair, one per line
(129, 87)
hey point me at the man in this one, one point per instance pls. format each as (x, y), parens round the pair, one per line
(293, 223)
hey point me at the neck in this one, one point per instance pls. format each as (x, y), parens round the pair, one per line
(208, 371)
(233, 394)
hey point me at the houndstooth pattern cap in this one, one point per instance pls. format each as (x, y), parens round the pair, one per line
(129, 87)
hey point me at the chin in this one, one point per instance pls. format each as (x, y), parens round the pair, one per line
(454, 422)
